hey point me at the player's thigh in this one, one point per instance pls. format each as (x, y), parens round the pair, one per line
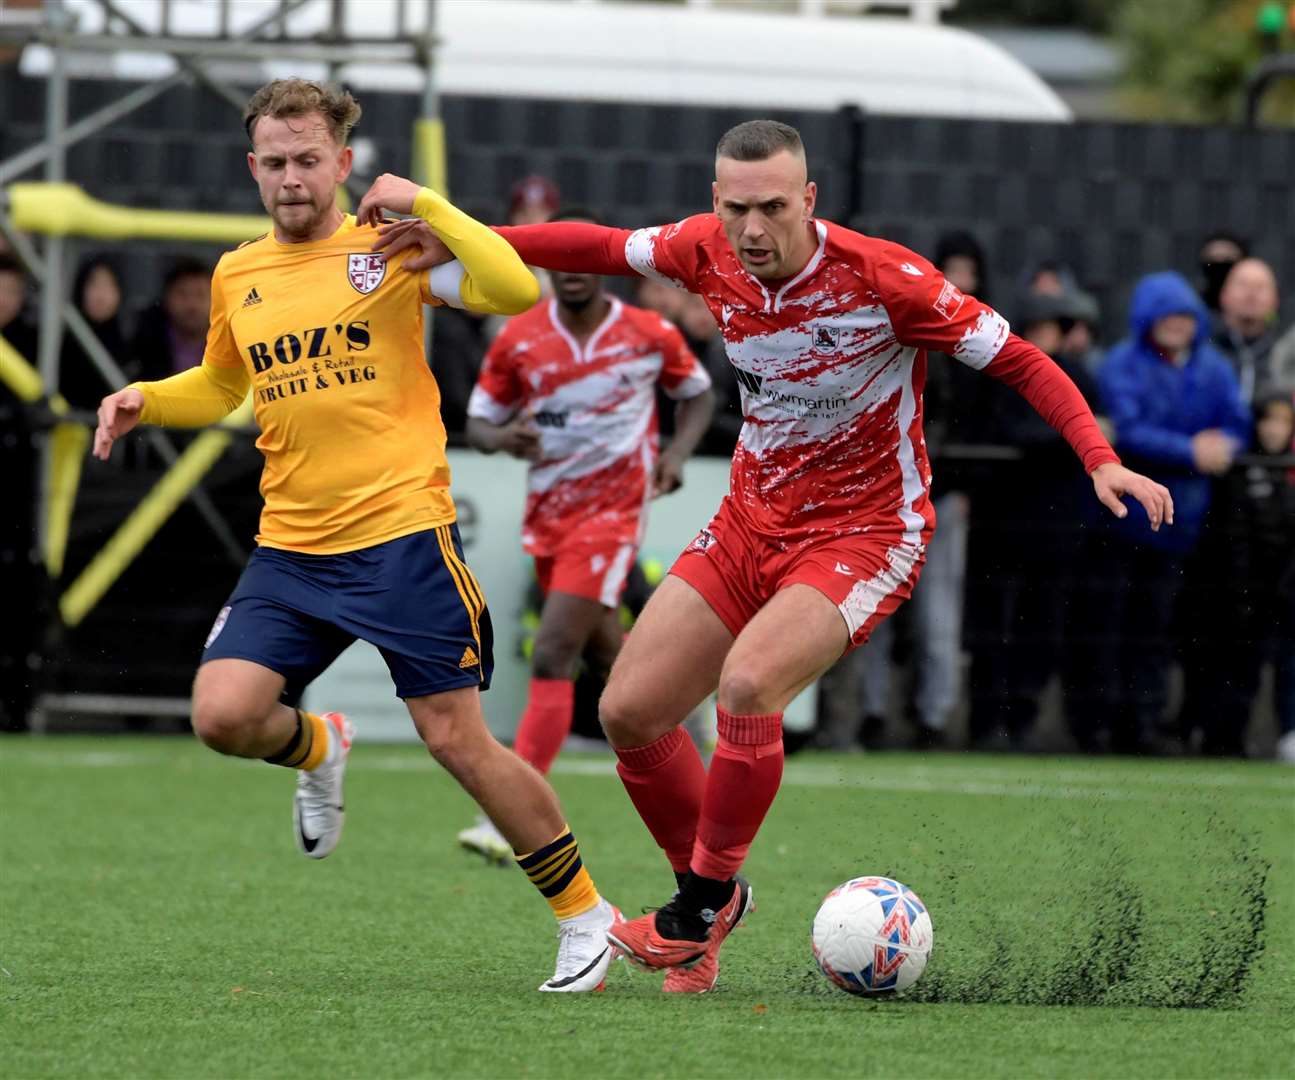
(567, 624)
(230, 694)
(605, 642)
(792, 640)
(669, 663)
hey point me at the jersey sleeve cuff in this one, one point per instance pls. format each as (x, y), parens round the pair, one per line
(482, 406)
(695, 382)
(446, 283)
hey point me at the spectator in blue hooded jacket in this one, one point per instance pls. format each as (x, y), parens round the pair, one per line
(1178, 416)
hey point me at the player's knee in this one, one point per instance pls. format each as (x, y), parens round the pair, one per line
(624, 719)
(555, 658)
(221, 723)
(742, 692)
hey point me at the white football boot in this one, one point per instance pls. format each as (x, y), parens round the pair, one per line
(487, 841)
(584, 954)
(317, 808)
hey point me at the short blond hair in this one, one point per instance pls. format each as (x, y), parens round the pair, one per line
(301, 97)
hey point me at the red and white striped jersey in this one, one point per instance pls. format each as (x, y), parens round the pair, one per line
(595, 408)
(831, 364)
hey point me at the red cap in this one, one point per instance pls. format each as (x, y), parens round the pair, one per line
(534, 191)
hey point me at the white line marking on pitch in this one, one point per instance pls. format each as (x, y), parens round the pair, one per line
(873, 774)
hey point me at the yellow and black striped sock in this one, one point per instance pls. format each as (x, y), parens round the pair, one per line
(556, 870)
(308, 745)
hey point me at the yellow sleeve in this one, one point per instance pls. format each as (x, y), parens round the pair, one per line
(198, 397)
(495, 280)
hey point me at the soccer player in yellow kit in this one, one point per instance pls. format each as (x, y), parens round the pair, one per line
(357, 536)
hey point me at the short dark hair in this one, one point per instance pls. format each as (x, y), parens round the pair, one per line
(756, 140)
(185, 268)
(290, 98)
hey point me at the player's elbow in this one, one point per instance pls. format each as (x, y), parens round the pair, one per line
(517, 293)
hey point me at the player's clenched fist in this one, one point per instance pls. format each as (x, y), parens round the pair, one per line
(118, 414)
(388, 192)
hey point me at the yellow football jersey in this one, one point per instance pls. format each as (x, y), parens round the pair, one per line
(331, 338)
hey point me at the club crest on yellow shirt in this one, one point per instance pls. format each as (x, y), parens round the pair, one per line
(365, 272)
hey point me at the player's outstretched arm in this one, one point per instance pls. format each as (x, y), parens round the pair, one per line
(495, 281)
(1055, 397)
(575, 247)
(199, 397)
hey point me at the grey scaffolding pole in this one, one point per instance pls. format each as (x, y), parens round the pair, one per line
(266, 38)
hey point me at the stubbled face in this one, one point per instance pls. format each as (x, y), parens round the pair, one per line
(297, 167)
(1250, 291)
(766, 207)
(1174, 332)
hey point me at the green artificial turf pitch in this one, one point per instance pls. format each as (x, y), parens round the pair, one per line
(1092, 918)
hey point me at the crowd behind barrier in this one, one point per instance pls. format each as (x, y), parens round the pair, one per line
(1026, 579)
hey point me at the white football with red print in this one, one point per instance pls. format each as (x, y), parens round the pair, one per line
(872, 935)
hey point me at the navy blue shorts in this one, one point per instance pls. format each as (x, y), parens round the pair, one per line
(414, 598)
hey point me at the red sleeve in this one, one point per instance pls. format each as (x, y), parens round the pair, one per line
(576, 247)
(672, 254)
(499, 391)
(929, 311)
(1033, 375)
(682, 375)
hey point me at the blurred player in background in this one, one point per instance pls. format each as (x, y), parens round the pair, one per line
(570, 387)
(357, 534)
(824, 529)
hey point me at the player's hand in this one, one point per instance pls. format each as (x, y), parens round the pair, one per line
(668, 475)
(1112, 482)
(520, 439)
(118, 414)
(396, 236)
(1212, 452)
(387, 192)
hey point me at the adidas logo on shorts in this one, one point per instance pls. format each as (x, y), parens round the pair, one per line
(469, 658)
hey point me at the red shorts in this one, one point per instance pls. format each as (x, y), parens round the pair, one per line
(594, 569)
(737, 571)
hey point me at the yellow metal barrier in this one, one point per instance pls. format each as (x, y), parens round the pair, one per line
(65, 210)
(147, 518)
(68, 445)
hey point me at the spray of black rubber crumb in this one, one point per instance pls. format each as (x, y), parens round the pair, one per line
(1103, 942)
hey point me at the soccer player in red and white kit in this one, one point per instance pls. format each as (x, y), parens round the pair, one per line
(822, 533)
(570, 386)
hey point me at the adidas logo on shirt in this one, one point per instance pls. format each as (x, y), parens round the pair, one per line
(253, 297)
(469, 658)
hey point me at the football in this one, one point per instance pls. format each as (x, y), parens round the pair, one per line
(872, 935)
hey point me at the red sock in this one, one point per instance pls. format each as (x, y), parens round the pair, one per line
(546, 722)
(665, 781)
(744, 777)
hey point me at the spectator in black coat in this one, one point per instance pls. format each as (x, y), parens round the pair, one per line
(173, 332)
(1251, 531)
(97, 294)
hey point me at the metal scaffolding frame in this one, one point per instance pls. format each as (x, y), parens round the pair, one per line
(268, 37)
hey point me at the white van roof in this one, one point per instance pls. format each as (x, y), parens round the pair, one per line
(643, 52)
(686, 55)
